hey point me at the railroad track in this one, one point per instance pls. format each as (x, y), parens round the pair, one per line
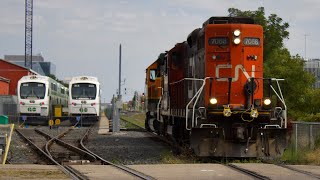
(294, 169)
(39, 148)
(175, 147)
(247, 172)
(52, 147)
(106, 162)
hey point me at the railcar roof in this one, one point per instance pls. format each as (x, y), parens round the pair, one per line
(228, 20)
(84, 78)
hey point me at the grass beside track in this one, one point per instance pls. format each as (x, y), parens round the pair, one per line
(136, 119)
(31, 174)
(307, 156)
(303, 156)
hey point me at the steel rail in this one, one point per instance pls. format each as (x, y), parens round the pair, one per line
(248, 172)
(294, 169)
(152, 134)
(65, 144)
(76, 173)
(62, 168)
(122, 167)
(300, 171)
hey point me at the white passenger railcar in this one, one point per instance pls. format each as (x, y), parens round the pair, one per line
(38, 96)
(84, 99)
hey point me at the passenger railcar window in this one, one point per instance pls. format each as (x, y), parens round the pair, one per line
(32, 90)
(83, 91)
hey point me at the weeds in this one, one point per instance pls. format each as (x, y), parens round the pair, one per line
(136, 119)
(303, 156)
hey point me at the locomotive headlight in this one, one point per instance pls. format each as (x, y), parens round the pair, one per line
(213, 101)
(237, 32)
(267, 102)
(236, 40)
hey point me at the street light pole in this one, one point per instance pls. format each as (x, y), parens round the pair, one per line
(119, 95)
(305, 46)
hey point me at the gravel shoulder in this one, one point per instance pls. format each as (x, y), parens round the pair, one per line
(128, 147)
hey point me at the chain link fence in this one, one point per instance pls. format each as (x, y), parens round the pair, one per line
(9, 108)
(305, 134)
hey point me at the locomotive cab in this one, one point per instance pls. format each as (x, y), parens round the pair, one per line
(153, 94)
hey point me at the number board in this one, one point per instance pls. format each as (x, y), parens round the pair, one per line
(219, 41)
(250, 41)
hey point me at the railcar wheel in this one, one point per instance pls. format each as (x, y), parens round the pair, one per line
(146, 123)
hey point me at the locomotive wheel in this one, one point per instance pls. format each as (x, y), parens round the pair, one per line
(146, 123)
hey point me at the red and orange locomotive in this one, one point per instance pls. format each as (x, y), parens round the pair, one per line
(209, 92)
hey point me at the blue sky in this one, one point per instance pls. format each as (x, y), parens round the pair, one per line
(82, 37)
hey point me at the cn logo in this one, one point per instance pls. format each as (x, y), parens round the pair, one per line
(236, 73)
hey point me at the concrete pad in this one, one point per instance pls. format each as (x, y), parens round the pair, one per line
(189, 171)
(308, 168)
(102, 172)
(31, 171)
(104, 125)
(273, 171)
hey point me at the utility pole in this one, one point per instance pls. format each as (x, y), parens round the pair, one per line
(305, 46)
(116, 118)
(119, 95)
(28, 33)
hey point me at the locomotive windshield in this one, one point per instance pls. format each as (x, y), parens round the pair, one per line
(84, 91)
(32, 90)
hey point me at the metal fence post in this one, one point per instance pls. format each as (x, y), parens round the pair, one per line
(311, 140)
(296, 138)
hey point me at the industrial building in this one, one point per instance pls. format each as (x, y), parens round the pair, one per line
(13, 73)
(4, 86)
(38, 63)
(313, 66)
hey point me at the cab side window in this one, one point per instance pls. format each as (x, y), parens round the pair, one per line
(152, 75)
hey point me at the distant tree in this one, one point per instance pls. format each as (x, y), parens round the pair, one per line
(275, 30)
(60, 81)
(297, 87)
(135, 99)
(113, 99)
(279, 63)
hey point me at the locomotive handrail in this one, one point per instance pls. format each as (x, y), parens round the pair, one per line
(281, 99)
(158, 105)
(272, 125)
(196, 97)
